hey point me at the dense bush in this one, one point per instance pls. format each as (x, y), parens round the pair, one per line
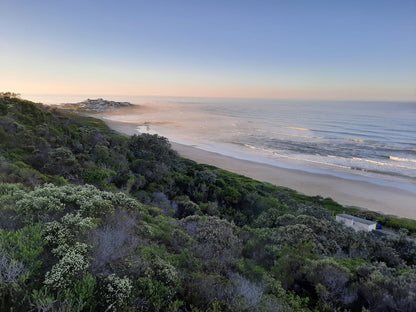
(155, 232)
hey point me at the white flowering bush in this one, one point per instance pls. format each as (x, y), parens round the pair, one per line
(123, 201)
(89, 200)
(162, 271)
(55, 234)
(61, 235)
(95, 203)
(117, 290)
(65, 236)
(44, 201)
(9, 193)
(82, 248)
(46, 198)
(75, 220)
(10, 188)
(31, 203)
(70, 268)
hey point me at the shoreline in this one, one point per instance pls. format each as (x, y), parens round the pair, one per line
(361, 194)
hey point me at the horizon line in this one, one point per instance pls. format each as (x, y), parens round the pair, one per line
(89, 95)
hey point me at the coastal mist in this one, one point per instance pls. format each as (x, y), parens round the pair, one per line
(370, 141)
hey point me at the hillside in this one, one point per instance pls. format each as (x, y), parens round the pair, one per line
(91, 220)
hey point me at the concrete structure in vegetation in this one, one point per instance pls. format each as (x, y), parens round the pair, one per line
(358, 224)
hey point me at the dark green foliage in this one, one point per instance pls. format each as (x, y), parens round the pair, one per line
(155, 232)
(99, 177)
(398, 223)
(160, 282)
(25, 245)
(19, 172)
(52, 145)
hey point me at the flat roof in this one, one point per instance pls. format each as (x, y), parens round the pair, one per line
(361, 220)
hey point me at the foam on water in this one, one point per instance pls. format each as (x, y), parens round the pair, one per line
(371, 141)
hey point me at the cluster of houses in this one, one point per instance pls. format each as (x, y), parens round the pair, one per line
(98, 105)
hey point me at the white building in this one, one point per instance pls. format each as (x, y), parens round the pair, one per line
(357, 224)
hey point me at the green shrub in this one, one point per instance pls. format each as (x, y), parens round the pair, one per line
(25, 245)
(398, 223)
(98, 176)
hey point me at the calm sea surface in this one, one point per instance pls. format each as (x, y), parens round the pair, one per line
(372, 141)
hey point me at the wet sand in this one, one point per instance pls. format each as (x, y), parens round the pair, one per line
(384, 199)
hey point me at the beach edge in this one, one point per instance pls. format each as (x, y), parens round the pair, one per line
(387, 200)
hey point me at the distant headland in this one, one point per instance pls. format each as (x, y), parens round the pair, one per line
(98, 105)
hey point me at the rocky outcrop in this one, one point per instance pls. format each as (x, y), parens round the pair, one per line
(98, 105)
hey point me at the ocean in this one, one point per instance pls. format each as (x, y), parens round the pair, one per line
(369, 141)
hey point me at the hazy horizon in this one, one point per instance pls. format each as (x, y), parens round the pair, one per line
(343, 50)
(138, 99)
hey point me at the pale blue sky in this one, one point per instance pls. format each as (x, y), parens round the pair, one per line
(362, 49)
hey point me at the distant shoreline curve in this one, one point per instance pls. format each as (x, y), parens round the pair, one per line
(365, 195)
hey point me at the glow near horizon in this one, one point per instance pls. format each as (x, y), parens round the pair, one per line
(281, 49)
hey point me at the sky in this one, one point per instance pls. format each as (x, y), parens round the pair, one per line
(344, 50)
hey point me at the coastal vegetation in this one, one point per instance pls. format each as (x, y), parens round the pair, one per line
(91, 220)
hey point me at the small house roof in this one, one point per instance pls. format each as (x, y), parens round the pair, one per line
(356, 219)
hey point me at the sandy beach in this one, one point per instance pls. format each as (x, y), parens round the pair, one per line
(384, 199)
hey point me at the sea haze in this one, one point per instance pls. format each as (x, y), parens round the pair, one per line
(372, 141)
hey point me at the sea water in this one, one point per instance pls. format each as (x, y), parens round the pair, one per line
(371, 141)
